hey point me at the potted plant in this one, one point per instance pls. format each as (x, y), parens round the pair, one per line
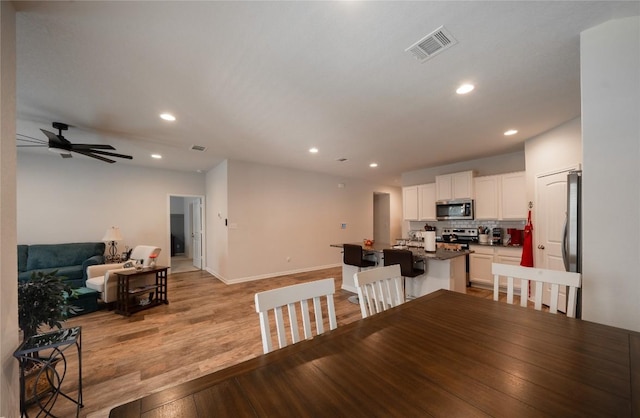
(43, 299)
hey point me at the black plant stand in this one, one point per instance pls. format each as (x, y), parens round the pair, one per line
(46, 351)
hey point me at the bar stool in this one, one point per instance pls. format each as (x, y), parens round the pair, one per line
(405, 259)
(353, 256)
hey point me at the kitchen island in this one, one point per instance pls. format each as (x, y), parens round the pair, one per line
(444, 269)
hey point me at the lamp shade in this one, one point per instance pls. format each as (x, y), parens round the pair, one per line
(112, 234)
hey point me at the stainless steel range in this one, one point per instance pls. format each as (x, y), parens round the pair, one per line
(461, 236)
(458, 239)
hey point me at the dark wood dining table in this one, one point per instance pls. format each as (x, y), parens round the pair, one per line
(445, 354)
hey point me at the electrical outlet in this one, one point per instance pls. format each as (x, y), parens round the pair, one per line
(343, 226)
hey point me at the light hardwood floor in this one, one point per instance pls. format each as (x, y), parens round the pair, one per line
(206, 327)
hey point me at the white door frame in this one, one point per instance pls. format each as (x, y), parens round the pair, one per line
(539, 260)
(195, 207)
(202, 225)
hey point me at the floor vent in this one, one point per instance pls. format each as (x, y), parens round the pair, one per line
(432, 44)
(197, 148)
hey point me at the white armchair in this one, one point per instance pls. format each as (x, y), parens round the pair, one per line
(101, 277)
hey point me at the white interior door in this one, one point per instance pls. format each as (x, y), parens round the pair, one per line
(195, 209)
(551, 212)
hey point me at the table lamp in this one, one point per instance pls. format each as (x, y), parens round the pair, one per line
(110, 237)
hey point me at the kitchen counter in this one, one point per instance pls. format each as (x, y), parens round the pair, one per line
(418, 252)
(444, 269)
(488, 244)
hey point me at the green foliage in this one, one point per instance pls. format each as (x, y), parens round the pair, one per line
(43, 299)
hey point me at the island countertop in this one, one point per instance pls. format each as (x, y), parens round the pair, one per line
(418, 252)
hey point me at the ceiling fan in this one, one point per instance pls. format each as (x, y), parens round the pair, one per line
(58, 143)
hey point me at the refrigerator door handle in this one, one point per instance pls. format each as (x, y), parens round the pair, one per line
(565, 243)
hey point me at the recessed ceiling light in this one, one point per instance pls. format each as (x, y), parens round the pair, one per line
(373, 165)
(313, 150)
(465, 88)
(156, 156)
(167, 116)
(511, 132)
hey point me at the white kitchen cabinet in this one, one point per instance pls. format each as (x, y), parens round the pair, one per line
(427, 202)
(514, 196)
(410, 203)
(501, 197)
(508, 255)
(487, 197)
(455, 186)
(480, 268)
(480, 264)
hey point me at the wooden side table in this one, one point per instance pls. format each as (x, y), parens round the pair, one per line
(127, 292)
(42, 353)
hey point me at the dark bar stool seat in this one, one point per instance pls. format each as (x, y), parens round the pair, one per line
(405, 259)
(354, 257)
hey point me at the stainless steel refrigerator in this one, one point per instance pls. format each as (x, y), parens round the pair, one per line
(572, 242)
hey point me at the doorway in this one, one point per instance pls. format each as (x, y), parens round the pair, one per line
(382, 218)
(186, 233)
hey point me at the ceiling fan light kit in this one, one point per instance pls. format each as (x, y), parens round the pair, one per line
(61, 145)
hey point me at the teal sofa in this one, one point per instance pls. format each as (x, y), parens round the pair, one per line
(71, 260)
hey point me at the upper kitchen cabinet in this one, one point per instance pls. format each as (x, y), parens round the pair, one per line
(427, 202)
(410, 203)
(514, 196)
(455, 186)
(501, 197)
(487, 197)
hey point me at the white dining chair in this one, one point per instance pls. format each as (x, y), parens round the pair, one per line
(288, 296)
(555, 278)
(379, 289)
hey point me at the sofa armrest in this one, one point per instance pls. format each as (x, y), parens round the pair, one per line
(99, 270)
(91, 261)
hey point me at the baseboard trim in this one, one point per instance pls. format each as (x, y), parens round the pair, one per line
(269, 275)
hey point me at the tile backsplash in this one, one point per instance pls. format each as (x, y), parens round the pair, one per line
(440, 225)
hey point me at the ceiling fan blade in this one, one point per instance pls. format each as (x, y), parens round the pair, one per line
(111, 154)
(90, 154)
(55, 138)
(91, 146)
(31, 139)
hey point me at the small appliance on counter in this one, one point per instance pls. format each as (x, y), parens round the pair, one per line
(515, 236)
(496, 236)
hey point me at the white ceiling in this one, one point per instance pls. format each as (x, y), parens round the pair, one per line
(265, 81)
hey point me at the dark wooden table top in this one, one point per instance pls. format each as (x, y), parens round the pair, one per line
(445, 354)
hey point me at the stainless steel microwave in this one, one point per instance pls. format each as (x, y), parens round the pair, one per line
(447, 210)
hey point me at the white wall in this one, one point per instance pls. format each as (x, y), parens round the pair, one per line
(283, 221)
(499, 164)
(9, 388)
(610, 77)
(76, 200)
(556, 150)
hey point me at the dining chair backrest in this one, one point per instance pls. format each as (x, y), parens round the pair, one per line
(288, 296)
(555, 278)
(379, 289)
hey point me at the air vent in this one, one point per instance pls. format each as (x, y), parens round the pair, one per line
(66, 155)
(432, 44)
(197, 148)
